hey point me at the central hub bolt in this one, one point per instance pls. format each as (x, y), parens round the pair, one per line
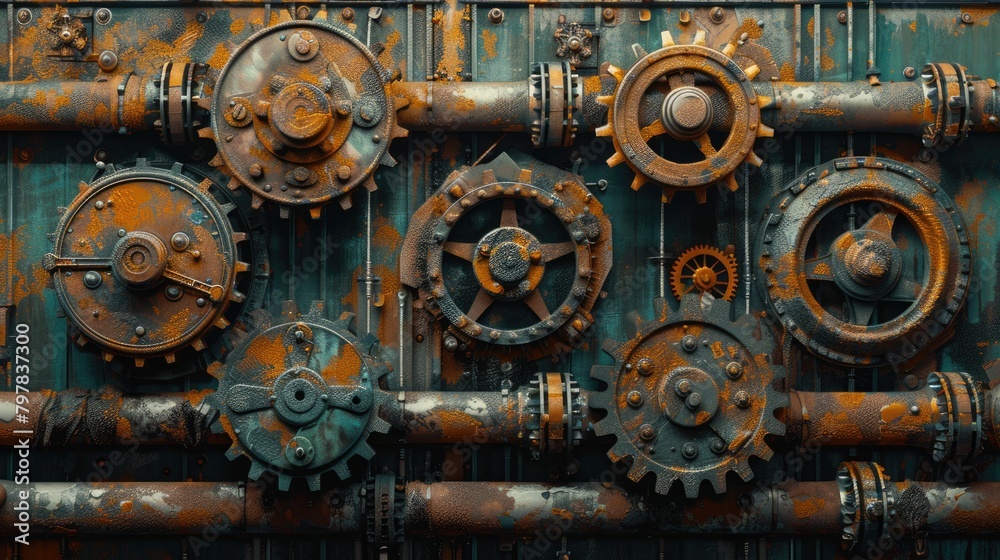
(301, 112)
(868, 262)
(509, 263)
(686, 113)
(693, 401)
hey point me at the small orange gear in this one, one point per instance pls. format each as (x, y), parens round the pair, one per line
(705, 269)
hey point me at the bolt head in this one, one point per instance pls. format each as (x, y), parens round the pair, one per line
(634, 398)
(647, 432)
(645, 366)
(718, 446)
(742, 399)
(689, 343)
(734, 370)
(92, 279)
(689, 450)
(693, 401)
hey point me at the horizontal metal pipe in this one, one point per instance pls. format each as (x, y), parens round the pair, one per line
(479, 508)
(106, 416)
(120, 102)
(450, 417)
(472, 106)
(904, 418)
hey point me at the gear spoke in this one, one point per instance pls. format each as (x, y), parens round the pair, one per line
(861, 311)
(464, 251)
(508, 217)
(480, 305)
(705, 146)
(882, 222)
(537, 305)
(906, 290)
(242, 399)
(656, 128)
(819, 268)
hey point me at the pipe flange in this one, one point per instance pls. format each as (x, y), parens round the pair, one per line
(867, 505)
(852, 297)
(691, 396)
(555, 408)
(556, 96)
(947, 116)
(960, 404)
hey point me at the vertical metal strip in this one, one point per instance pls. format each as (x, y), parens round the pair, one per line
(531, 35)
(850, 66)
(817, 68)
(871, 53)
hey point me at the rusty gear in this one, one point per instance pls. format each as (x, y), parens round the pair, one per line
(298, 396)
(302, 115)
(145, 262)
(874, 311)
(691, 396)
(509, 253)
(704, 269)
(682, 93)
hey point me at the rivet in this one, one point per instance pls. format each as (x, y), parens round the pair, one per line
(634, 398)
(200, 302)
(689, 343)
(92, 279)
(689, 450)
(139, 331)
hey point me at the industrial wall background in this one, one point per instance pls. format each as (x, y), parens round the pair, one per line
(326, 280)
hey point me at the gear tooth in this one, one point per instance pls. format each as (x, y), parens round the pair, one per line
(227, 208)
(221, 323)
(345, 202)
(140, 362)
(379, 425)
(621, 449)
(216, 161)
(744, 471)
(730, 181)
(204, 103)
(108, 356)
(256, 470)
(82, 187)
(387, 160)
(341, 469)
(364, 451)
(205, 132)
(754, 159)
(751, 71)
(666, 39)
(617, 72)
(699, 38)
(729, 50)
(616, 159)
(666, 481)
(603, 428)
(239, 236)
(604, 130)
(204, 185)
(668, 195)
(701, 195)
(215, 370)
(399, 132)
(764, 131)
(316, 212)
(256, 201)
(313, 482)
(763, 451)
(284, 482)
(284, 212)
(233, 452)
(639, 181)
(601, 373)
(719, 483)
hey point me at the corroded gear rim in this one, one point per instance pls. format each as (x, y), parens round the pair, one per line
(630, 142)
(556, 192)
(173, 178)
(375, 368)
(728, 262)
(387, 128)
(699, 312)
(781, 241)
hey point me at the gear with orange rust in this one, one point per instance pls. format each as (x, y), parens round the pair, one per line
(299, 395)
(302, 115)
(691, 396)
(697, 104)
(704, 269)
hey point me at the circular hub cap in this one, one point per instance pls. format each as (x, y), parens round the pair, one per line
(139, 259)
(686, 113)
(508, 262)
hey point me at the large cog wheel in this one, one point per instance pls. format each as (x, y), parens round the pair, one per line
(510, 253)
(299, 396)
(687, 94)
(691, 396)
(302, 115)
(145, 262)
(854, 297)
(704, 269)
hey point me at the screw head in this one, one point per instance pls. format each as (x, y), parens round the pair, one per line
(689, 343)
(689, 450)
(718, 15)
(347, 14)
(683, 387)
(718, 446)
(496, 16)
(634, 399)
(256, 170)
(909, 72)
(92, 279)
(645, 366)
(693, 401)
(608, 14)
(24, 16)
(647, 432)
(842, 16)
(966, 17)
(734, 370)
(742, 399)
